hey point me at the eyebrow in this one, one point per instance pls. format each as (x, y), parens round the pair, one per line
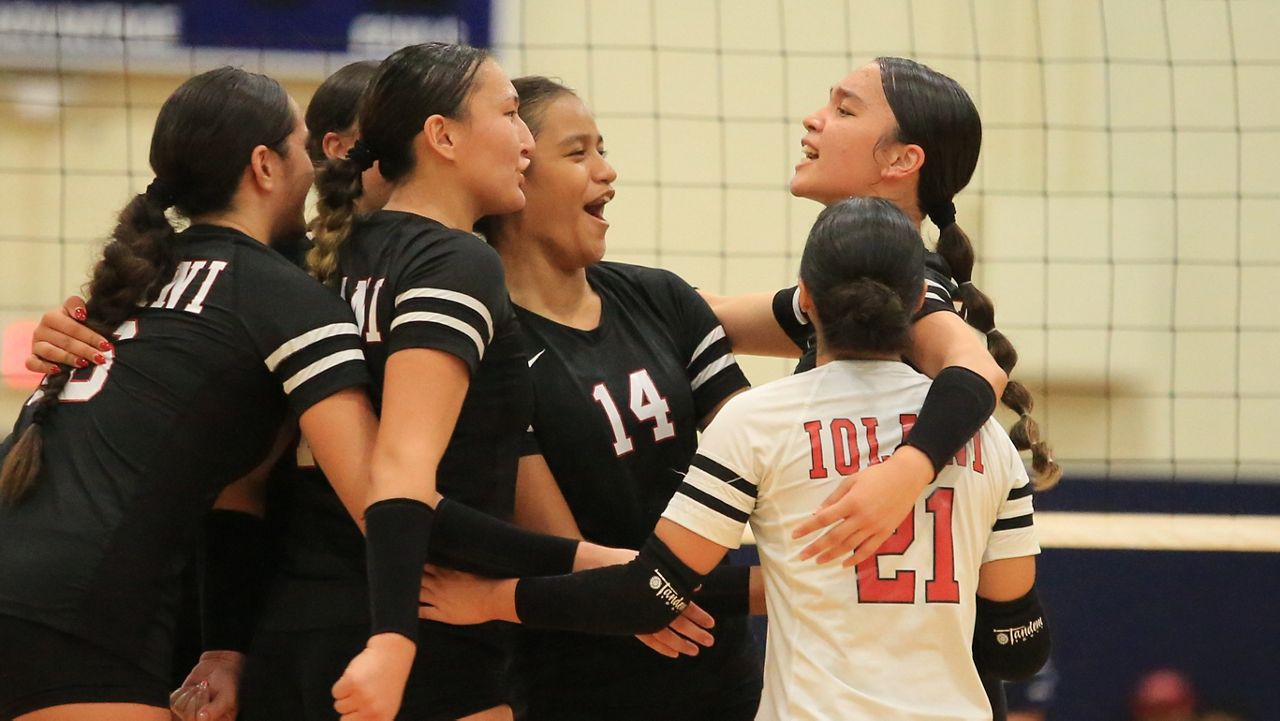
(584, 138)
(847, 93)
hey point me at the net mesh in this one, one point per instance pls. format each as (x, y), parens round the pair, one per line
(1122, 211)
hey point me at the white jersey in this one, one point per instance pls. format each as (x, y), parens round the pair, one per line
(893, 640)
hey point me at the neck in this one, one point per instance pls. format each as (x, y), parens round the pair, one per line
(251, 224)
(442, 200)
(538, 284)
(826, 354)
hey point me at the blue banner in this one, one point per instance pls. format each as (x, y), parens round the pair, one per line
(332, 25)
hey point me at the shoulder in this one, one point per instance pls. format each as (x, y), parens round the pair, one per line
(415, 235)
(412, 250)
(996, 444)
(640, 277)
(666, 294)
(465, 252)
(254, 267)
(935, 264)
(763, 401)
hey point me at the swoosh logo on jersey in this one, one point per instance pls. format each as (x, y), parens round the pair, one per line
(535, 358)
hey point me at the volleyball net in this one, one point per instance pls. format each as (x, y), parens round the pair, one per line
(1123, 210)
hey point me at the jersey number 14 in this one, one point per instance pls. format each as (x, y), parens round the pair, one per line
(647, 404)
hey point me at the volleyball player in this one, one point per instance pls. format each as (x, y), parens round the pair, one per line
(217, 342)
(302, 645)
(297, 547)
(628, 363)
(899, 130)
(892, 639)
(451, 381)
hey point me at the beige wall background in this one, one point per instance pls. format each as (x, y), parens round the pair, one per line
(1123, 211)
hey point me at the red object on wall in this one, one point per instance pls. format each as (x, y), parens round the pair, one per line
(13, 355)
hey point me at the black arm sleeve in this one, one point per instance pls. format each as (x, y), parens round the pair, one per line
(726, 591)
(234, 579)
(792, 320)
(958, 403)
(642, 596)
(468, 540)
(1010, 638)
(397, 531)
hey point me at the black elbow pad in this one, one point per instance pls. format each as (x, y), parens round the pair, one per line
(642, 596)
(1010, 638)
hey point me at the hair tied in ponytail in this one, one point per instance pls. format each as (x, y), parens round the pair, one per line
(361, 154)
(161, 193)
(943, 214)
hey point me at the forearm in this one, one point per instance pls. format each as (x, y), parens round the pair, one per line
(943, 339)
(757, 606)
(235, 575)
(642, 596)
(958, 403)
(468, 540)
(726, 591)
(750, 325)
(1011, 638)
(976, 358)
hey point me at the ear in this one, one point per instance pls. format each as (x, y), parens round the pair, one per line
(336, 145)
(903, 160)
(806, 301)
(441, 136)
(263, 169)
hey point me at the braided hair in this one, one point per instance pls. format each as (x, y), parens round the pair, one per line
(935, 112)
(204, 136)
(411, 85)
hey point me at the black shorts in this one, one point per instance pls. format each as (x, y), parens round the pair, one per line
(458, 671)
(42, 667)
(576, 677)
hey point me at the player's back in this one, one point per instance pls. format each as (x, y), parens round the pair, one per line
(891, 640)
(138, 447)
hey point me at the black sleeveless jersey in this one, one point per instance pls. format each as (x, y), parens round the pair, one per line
(137, 449)
(786, 308)
(413, 283)
(616, 417)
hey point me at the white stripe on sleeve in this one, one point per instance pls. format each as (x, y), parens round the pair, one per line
(1015, 508)
(716, 334)
(446, 320)
(322, 365)
(795, 308)
(710, 371)
(452, 296)
(288, 348)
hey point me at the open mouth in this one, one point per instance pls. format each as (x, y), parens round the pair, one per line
(810, 152)
(596, 207)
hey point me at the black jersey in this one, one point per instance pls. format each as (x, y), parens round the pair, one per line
(617, 408)
(413, 283)
(786, 307)
(199, 384)
(616, 417)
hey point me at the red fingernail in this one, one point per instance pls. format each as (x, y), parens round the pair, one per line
(104, 346)
(82, 363)
(79, 314)
(99, 359)
(55, 370)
